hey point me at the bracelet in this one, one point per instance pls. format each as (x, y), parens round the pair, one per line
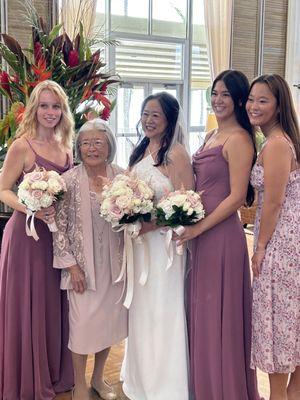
(260, 251)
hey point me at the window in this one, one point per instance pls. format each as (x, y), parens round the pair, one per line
(162, 46)
(169, 18)
(129, 16)
(149, 60)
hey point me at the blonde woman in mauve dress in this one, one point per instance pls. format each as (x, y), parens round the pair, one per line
(219, 292)
(276, 259)
(35, 362)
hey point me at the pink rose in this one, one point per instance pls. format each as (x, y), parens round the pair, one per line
(36, 176)
(37, 194)
(116, 212)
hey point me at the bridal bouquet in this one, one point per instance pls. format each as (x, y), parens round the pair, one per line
(177, 209)
(126, 199)
(40, 189)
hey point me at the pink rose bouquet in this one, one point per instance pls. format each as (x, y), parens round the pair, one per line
(40, 189)
(126, 199)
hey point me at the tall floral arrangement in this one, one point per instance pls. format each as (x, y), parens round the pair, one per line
(71, 62)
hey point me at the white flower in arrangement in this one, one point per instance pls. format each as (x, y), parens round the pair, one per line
(54, 185)
(41, 185)
(46, 200)
(53, 175)
(24, 185)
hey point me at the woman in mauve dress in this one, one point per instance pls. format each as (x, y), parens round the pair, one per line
(219, 292)
(90, 256)
(276, 258)
(35, 362)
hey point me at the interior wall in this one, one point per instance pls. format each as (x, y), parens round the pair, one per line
(17, 25)
(259, 36)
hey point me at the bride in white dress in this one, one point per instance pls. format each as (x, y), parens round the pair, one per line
(156, 360)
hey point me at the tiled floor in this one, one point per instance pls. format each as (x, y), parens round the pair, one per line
(112, 370)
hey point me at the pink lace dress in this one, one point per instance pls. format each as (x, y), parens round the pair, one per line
(276, 292)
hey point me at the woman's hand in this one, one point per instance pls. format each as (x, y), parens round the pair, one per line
(46, 214)
(148, 227)
(77, 278)
(190, 232)
(257, 260)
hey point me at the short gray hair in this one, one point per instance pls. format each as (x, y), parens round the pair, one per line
(99, 125)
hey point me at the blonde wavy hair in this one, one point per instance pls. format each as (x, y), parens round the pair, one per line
(64, 130)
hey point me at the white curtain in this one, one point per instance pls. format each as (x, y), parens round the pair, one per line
(75, 11)
(218, 25)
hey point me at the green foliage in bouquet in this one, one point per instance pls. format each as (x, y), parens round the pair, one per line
(130, 219)
(179, 217)
(52, 55)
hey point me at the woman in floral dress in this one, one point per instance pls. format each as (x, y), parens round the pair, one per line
(276, 259)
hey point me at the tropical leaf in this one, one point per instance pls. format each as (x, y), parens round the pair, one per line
(10, 58)
(54, 33)
(14, 47)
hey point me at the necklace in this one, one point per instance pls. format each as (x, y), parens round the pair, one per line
(153, 152)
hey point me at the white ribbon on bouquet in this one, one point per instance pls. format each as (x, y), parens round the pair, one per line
(169, 245)
(30, 227)
(131, 232)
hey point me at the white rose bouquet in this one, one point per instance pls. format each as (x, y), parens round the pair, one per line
(177, 209)
(40, 189)
(126, 199)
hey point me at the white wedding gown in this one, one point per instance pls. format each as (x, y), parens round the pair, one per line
(156, 358)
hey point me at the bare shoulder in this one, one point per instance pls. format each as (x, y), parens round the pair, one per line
(19, 148)
(277, 146)
(240, 137)
(179, 152)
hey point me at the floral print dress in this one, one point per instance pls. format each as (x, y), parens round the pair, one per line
(276, 292)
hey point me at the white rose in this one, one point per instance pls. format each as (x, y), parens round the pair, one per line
(46, 201)
(186, 206)
(54, 186)
(32, 204)
(24, 185)
(137, 202)
(179, 200)
(124, 202)
(41, 185)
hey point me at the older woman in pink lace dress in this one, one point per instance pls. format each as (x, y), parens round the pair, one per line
(276, 259)
(90, 255)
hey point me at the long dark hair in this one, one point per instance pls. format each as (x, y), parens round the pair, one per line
(238, 86)
(287, 117)
(170, 107)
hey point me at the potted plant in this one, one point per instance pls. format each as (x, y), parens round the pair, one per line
(75, 63)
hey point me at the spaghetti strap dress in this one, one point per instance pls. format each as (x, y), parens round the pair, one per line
(35, 362)
(219, 294)
(276, 291)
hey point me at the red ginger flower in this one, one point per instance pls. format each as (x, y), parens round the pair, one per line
(37, 51)
(73, 58)
(105, 113)
(4, 82)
